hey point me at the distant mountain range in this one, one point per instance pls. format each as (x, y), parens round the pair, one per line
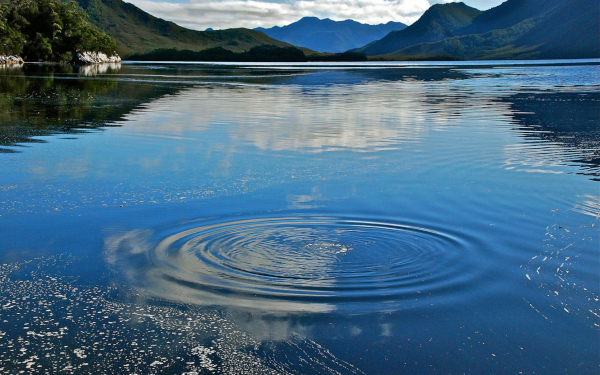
(138, 32)
(330, 36)
(516, 29)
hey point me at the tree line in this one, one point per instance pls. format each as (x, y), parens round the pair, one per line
(265, 53)
(49, 30)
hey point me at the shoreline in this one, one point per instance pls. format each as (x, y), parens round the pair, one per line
(83, 58)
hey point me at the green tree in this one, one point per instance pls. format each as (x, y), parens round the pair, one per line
(11, 39)
(49, 30)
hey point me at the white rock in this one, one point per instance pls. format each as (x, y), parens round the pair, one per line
(10, 60)
(94, 57)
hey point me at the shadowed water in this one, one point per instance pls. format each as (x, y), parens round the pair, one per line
(297, 219)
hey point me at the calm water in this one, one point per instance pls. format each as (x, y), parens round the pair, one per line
(192, 219)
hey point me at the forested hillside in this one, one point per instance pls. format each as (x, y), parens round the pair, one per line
(139, 32)
(48, 30)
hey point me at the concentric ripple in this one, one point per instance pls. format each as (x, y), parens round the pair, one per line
(300, 264)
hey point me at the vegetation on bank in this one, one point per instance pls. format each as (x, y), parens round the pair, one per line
(440, 58)
(49, 30)
(265, 53)
(347, 56)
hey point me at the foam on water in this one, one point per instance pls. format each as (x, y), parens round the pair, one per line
(51, 324)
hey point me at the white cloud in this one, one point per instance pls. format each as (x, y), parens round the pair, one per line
(200, 14)
(223, 14)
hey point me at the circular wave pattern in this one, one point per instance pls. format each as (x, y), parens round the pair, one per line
(315, 264)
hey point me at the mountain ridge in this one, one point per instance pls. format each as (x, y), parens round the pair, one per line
(438, 22)
(508, 14)
(326, 35)
(515, 29)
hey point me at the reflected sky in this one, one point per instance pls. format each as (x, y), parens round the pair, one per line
(416, 210)
(213, 118)
(295, 265)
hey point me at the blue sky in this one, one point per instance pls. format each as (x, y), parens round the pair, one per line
(222, 14)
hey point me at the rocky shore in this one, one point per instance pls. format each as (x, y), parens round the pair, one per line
(96, 58)
(10, 60)
(83, 58)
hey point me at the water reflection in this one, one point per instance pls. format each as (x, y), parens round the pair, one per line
(350, 76)
(41, 100)
(300, 113)
(10, 67)
(300, 264)
(558, 129)
(590, 206)
(95, 69)
(311, 110)
(346, 117)
(367, 211)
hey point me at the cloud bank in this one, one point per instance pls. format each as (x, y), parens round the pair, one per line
(222, 14)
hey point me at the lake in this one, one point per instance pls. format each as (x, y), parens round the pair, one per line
(377, 218)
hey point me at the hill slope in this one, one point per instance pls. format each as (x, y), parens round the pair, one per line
(137, 31)
(571, 31)
(508, 14)
(328, 35)
(438, 22)
(516, 29)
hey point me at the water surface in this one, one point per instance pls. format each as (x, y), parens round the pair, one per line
(294, 219)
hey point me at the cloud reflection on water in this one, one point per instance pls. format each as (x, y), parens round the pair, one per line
(208, 126)
(182, 275)
(359, 111)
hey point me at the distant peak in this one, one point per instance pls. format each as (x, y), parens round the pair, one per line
(447, 5)
(449, 8)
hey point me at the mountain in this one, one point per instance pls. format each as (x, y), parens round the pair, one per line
(138, 32)
(516, 29)
(328, 35)
(508, 14)
(438, 22)
(571, 30)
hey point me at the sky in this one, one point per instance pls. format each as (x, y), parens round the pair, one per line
(224, 14)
